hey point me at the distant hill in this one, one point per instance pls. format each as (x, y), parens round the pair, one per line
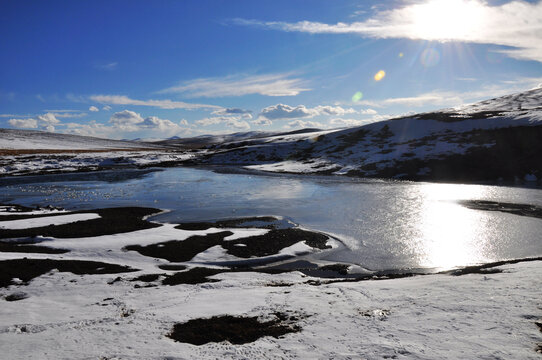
(208, 140)
(39, 140)
(496, 139)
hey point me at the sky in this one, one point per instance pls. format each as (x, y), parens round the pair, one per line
(157, 69)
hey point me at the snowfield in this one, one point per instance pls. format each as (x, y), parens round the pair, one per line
(493, 313)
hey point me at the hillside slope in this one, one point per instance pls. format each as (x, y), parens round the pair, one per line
(34, 140)
(497, 139)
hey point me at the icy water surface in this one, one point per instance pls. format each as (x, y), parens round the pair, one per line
(383, 224)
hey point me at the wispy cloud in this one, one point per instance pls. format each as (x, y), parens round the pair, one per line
(239, 85)
(438, 98)
(515, 24)
(108, 66)
(162, 104)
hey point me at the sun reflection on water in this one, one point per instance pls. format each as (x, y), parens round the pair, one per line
(450, 234)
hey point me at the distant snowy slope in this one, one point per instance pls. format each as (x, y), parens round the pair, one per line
(36, 140)
(207, 140)
(490, 140)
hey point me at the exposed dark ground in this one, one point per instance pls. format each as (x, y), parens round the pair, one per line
(234, 329)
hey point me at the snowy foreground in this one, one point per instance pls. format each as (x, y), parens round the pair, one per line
(60, 315)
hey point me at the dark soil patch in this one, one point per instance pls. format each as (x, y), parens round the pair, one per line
(172, 267)
(514, 153)
(25, 248)
(28, 269)
(112, 221)
(179, 251)
(16, 296)
(264, 222)
(516, 209)
(234, 329)
(254, 246)
(197, 275)
(487, 268)
(274, 241)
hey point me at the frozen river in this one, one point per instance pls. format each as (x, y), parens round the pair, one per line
(383, 224)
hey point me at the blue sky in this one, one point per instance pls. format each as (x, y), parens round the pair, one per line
(129, 69)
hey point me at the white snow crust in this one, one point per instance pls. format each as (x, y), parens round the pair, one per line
(46, 221)
(66, 316)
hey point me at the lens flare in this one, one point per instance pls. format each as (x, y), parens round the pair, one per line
(430, 57)
(380, 75)
(357, 96)
(401, 54)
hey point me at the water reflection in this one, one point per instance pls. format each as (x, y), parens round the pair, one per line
(384, 225)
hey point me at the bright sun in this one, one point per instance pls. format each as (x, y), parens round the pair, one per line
(447, 19)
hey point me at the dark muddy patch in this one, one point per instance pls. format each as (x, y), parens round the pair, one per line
(262, 222)
(172, 267)
(27, 269)
(516, 209)
(179, 251)
(16, 296)
(488, 268)
(6, 246)
(111, 221)
(270, 243)
(234, 329)
(196, 275)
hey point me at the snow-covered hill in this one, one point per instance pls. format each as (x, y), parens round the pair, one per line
(495, 139)
(208, 140)
(39, 140)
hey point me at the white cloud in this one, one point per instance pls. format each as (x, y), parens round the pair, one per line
(281, 111)
(262, 121)
(92, 129)
(333, 110)
(246, 114)
(48, 118)
(162, 104)
(339, 122)
(106, 108)
(368, 112)
(109, 66)
(24, 123)
(517, 24)
(93, 109)
(131, 121)
(304, 124)
(235, 122)
(239, 85)
(126, 120)
(183, 122)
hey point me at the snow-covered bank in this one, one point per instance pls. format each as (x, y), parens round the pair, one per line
(63, 163)
(439, 316)
(128, 312)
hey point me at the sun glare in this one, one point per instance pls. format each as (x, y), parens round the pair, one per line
(447, 19)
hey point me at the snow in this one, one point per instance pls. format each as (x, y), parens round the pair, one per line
(29, 164)
(438, 316)
(475, 316)
(46, 221)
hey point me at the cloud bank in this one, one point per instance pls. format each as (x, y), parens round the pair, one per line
(515, 24)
